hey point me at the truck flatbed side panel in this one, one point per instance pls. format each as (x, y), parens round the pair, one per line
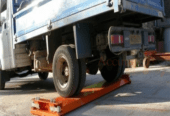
(60, 13)
(158, 4)
(52, 10)
(33, 20)
(149, 7)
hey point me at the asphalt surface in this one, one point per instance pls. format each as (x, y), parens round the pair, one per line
(147, 95)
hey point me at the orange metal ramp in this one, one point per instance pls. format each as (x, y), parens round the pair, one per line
(61, 106)
(154, 55)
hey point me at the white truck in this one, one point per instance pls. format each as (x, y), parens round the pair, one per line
(73, 37)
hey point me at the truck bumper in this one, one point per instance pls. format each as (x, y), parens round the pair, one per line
(133, 39)
(149, 47)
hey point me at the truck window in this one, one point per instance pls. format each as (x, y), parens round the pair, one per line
(3, 7)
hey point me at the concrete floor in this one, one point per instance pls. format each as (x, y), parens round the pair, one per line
(147, 95)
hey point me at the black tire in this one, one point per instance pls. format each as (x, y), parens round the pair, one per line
(112, 72)
(65, 71)
(43, 75)
(2, 80)
(82, 75)
(92, 68)
(123, 68)
(82, 72)
(146, 62)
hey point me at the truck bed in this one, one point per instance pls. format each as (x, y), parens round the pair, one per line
(41, 13)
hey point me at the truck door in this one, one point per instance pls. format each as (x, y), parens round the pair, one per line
(6, 42)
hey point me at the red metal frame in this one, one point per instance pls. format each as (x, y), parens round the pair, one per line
(87, 95)
(150, 53)
(154, 55)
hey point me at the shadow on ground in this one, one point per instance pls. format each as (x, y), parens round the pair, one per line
(28, 86)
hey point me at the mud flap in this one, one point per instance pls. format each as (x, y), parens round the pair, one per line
(82, 40)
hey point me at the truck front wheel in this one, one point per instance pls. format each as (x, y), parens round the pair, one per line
(65, 71)
(2, 80)
(43, 75)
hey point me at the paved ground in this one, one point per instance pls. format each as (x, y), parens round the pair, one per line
(149, 94)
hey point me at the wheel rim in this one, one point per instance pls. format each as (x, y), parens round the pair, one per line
(63, 71)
